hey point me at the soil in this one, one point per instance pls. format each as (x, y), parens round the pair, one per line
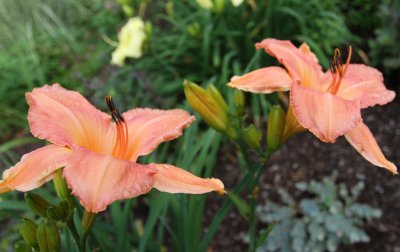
(304, 157)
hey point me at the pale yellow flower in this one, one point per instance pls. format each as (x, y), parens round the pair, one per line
(131, 38)
(236, 3)
(210, 4)
(205, 4)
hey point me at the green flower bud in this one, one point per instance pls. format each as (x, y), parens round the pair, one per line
(252, 137)
(219, 6)
(148, 27)
(239, 101)
(206, 105)
(216, 95)
(276, 125)
(169, 8)
(194, 29)
(21, 246)
(56, 213)
(61, 187)
(38, 204)
(28, 229)
(48, 236)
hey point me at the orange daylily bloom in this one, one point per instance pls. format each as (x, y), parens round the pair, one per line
(327, 104)
(99, 154)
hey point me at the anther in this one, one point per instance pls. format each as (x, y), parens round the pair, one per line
(121, 140)
(115, 115)
(338, 70)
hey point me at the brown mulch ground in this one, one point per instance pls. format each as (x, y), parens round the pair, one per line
(304, 158)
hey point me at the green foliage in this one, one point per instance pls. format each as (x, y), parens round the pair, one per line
(385, 47)
(43, 42)
(361, 16)
(319, 223)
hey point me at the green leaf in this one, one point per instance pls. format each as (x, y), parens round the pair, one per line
(241, 205)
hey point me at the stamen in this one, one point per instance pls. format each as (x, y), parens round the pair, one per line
(121, 139)
(338, 70)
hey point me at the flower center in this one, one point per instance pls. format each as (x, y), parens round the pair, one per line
(121, 140)
(338, 70)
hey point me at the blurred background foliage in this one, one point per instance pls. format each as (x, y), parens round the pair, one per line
(70, 42)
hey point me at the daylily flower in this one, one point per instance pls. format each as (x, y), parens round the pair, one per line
(99, 152)
(217, 5)
(131, 38)
(327, 104)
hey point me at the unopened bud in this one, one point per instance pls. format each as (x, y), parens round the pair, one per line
(276, 125)
(216, 95)
(206, 105)
(252, 137)
(148, 28)
(22, 246)
(28, 229)
(239, 101)
(219, 6)
(56, 213)
(37, 203)
(194, 29)
(61, 187)
(48, 236)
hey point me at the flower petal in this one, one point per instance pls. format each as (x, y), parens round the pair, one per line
(265, 81)
(34, 169)
(300, 62)
(150, 127)
(364, 142)
(98, 180)
(172, 179)
(325, 115)
(65, 117)
(365, 83)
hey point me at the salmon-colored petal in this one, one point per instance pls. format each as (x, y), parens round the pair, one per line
(150, 127)
(65, 117)
(265, 81)
(325, 115)
(34, 169)
(366, 84)
(364, 142)
(301, 63)
(98, 180)
(172, 179)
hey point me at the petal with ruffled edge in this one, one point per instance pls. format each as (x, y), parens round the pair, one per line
(98, 180)
(172, 179)
(263, 81)
(364, 142)
(34, 169)
(365, 83)
(150, 127)
(65, 117)
(325, 115)
(301, 63)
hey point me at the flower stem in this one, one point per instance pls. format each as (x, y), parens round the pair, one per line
(227, 205)
(87, 223)
(74, 232)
